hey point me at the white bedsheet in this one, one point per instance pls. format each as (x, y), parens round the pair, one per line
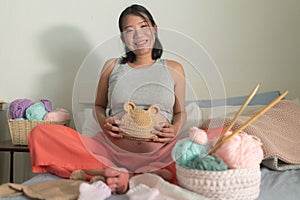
(280, 185)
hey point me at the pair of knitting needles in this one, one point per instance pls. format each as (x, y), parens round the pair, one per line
(225, 138)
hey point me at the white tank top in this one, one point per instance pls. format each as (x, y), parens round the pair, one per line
(145, 86)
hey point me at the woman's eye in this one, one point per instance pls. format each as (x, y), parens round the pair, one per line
(128, 32)
(145, 27)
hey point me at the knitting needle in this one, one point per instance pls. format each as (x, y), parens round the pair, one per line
(236, 116)
(261, 112)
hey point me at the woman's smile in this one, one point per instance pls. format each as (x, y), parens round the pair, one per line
(142, 44)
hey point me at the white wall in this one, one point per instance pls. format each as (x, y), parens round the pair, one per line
(44, 42)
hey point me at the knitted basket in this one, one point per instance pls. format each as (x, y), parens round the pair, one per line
(229, 184)
(19, 129)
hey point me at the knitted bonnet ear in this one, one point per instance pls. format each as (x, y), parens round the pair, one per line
(129, 106)
(154, 109)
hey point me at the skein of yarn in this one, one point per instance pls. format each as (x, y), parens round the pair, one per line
(198, 135)
(17, 108)
(209, 163)
(48, 104)
(241, 151)
(59, 114)
(186, 150)
(36, 111)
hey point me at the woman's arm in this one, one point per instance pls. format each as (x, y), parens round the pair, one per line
(169, 131)
(106, 123)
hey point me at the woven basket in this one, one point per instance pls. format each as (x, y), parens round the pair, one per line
(229, 184)
(19, 129)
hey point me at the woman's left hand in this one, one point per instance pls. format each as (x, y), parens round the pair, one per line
(165, 133)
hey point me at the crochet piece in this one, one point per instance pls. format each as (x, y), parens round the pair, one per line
(228, 184)
(278, 129)
(142, 191)
(139, 123)
(97, 190)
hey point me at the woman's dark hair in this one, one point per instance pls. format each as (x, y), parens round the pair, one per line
(142, 12)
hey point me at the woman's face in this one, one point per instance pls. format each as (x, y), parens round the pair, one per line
(138, 34)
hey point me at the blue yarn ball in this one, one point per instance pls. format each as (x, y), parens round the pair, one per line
(186, 150)
(36, 111)
(209, 163)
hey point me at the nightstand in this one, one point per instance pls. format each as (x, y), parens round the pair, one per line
(7, 146)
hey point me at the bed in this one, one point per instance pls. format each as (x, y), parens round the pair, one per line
(282, 183)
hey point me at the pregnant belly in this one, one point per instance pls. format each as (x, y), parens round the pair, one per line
(135, 146)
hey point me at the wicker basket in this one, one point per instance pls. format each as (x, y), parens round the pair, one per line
(19, 129)
(229, 184)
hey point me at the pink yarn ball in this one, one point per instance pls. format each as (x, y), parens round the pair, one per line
(59, 114)
(213, 135)
(198, 135)
(241, 151)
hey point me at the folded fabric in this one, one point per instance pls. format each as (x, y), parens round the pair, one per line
(18, 107)
(36, 111)
(278, 165)
(97, 190)
(143, 192)
(58, 189)
(167, 191)
(50, 190)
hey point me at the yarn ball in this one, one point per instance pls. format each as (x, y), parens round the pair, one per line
(186, 150)
(241, 151)
(36, 111)
(18, 107)
(213, 134)
(48, 104)
(209, 163)
(59, 114)
(198, 135)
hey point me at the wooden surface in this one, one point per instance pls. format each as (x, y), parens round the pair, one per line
(8, 146)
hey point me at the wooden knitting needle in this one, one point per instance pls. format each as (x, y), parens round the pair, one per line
(257, 115)
(236, 116)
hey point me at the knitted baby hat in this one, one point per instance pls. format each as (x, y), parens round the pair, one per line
(138, 123)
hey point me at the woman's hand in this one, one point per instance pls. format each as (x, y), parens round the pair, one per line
(111, 127)
(166, 133)
(115, 178)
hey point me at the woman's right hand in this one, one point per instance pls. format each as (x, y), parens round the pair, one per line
(111, 127)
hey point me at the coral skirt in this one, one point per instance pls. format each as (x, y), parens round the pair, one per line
(61, 150)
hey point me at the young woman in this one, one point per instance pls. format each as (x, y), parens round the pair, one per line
(142, 77)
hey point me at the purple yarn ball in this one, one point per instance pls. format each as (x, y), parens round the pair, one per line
(48, 104)
(18, 107)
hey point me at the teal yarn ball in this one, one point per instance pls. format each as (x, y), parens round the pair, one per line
(209, 163)
(186, 150)
(36, 111)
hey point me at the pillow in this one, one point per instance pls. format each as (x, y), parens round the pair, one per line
(90, 125)
(259, 99)
(222, 111)
(194, 118)
(297, 101)
(219, 111)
